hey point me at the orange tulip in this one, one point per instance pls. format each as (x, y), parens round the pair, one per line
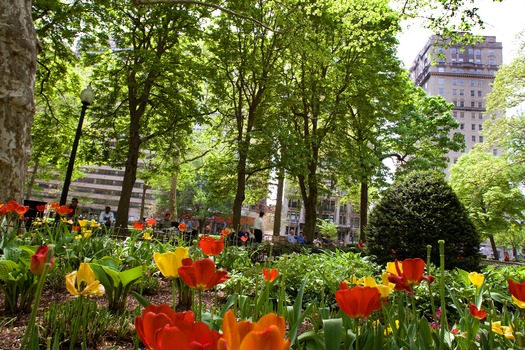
(358, 302)
(38, 260)
(270, 275)
(151, 222)
(64, 210)
(182, 227)
(22, 209)
(408, 273)
(201, 274)
(477, 313)
(138, 225)
(160, 327)
(225, 232)
(54, 205)
(211, 247)
(267, 333)
(244, 238)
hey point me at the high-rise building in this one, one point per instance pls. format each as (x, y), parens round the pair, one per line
(463, 75)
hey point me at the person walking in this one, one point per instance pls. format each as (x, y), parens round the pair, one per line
(258, 228)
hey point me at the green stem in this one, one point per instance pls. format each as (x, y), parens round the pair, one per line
(442, 292)
(40, 287)
(432, 306)
(199, 315)
(174, 293)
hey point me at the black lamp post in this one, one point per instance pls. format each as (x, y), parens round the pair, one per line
(86, 97)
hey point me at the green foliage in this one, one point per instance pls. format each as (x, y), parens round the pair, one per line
(117, 284)
(417, 211)
(80, 320)
(17, 282)
(327, 228)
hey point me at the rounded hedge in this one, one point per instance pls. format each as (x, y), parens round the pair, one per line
(419, 210)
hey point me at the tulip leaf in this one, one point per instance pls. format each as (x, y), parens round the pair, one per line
(131, 275)
(332, 333)
(141, 300)
(6, 267)
(313, 340)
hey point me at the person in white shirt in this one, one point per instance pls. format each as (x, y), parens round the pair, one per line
(258, 228)
(291, 236)
(106, 217)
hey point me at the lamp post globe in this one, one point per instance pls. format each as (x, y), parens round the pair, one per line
(86, 97)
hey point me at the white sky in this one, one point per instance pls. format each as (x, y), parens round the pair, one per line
(503, 20)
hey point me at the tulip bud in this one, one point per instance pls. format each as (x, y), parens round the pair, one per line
(38, 260)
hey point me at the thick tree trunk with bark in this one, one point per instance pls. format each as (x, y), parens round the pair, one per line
(18, 50)
(309, 193)
(241, 188)
(494, 247)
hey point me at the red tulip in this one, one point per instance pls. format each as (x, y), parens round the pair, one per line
(22, 209)
(160, 327)
(358, 302)
(476, 313)
(517, 290)
(138, 225)
(244, 238)
(41, 208)
(151, 222)
(211, 247)
(182, 227)
(225, 232)
(409, 273)
(54, 205)
(38, 260)
(270, 275)
(64, 210)
(201, 274)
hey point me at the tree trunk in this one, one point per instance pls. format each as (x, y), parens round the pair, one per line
(173, 195)
(241, 191)
(279, 203)
(363, 214)
(130, 174)
(32, 180)
(309, 194)
(17, 79)
(143, 200)
(494, 248)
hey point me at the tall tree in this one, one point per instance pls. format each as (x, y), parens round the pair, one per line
(146, 80)
(18, 47)
(489, 187)
(244, 59)
(345, 55)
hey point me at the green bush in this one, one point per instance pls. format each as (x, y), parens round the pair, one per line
(417, 211)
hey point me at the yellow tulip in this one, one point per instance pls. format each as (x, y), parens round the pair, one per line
(169, 263)
(83, 282)
(391, 267)
(82, 223)
(503, 330)
(78, 236)
(476, 278)
(87, 233)
(385, 288)
(146, 236)
(518, 303)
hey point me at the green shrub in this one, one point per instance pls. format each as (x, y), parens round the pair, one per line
(417, 211)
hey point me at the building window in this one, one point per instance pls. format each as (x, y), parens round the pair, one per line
(470, 51)
(492, 62)
(480, 127)
(478, 61)
(441, 81)
(479, 93)
(473, 126)
(473, 115)
(293, 203)
(460, 70)
(461, 114)
(441, 69)
(455, 102)
(471, 60)
(461, 81)
(454, 82)
(460, 60)
(471, 71)
(453, 50)
(479, 71)
(477, 52)
(472, 83)
(480, 83)
(472, 93)
(481, 139)
(461, 92)
(454, 70)
(455, 114)
(462, 103)
(473, 138)
(454, 92)
(481, 116)
(462, 126)
(441, 91)
(491, 52)
(480, 104)
(472, 104)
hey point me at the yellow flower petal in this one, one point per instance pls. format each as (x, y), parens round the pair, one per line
(70, 283)
(518, 303)
(82, 223)
(476, 278)
(169, 263)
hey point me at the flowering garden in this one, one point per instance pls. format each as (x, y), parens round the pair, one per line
(224, 294)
